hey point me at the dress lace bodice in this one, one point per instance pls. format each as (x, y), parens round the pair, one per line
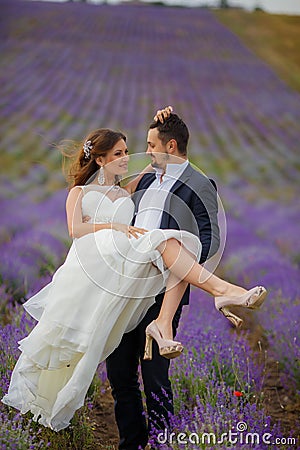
(107, 204)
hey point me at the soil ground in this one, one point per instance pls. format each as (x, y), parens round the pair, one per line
(103, 421)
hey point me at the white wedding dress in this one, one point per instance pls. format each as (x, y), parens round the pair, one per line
(103, 290)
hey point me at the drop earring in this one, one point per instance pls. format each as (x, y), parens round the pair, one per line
(101, 177)
(118, 178)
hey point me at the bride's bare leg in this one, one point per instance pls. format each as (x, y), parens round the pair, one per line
(160, 329)
(184, 266)
(174, 292)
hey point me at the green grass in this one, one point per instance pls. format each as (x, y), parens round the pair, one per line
(273, 38)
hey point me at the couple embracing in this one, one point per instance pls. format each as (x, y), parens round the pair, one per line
(120, 292)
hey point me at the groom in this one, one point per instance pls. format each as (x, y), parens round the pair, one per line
(183, 199)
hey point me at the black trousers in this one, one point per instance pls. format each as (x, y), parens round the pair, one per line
(122, 370)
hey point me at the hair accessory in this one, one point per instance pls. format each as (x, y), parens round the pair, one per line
(87, 147)
(101, 177)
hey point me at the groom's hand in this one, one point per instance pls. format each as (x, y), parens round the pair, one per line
(163, 114)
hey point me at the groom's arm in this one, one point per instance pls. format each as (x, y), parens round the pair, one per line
(132, 186)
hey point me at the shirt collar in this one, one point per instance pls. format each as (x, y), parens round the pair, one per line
(173, 171)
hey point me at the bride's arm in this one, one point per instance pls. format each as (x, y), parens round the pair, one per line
(131, 186)
(78, 228)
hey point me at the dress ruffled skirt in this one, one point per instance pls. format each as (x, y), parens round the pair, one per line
(103, 290)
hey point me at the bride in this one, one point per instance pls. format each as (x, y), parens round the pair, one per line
(109, 280)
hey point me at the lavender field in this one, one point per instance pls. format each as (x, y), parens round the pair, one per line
(69, 68)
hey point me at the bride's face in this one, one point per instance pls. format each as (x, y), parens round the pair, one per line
(116, 160)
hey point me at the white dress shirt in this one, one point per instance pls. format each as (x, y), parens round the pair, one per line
(152, 203)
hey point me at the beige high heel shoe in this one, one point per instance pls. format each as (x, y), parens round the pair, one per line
(167, 348)
(252, 299)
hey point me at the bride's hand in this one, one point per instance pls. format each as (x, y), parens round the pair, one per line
(128, 229)
(163, 114)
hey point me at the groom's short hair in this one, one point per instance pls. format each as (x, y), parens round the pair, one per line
(173, 128)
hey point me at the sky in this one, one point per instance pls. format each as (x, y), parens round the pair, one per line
(275, 6)
(272, 6)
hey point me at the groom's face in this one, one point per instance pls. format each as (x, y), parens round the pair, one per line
(156, 149)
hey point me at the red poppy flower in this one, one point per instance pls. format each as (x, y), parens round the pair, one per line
(237, 393)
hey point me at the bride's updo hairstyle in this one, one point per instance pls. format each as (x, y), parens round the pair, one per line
(97, 143)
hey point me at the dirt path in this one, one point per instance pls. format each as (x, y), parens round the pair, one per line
(279, 399)
(102, 419)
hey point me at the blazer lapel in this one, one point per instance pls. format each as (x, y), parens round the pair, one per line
(148, 180)
(137, 196)
(181, 180)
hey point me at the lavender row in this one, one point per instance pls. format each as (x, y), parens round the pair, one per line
(112, 66)
(33, 236)
(69, 68)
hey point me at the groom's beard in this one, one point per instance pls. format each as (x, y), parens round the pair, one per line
(162, 164)
(156, 165)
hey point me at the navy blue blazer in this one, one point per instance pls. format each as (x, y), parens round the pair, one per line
(191, 205)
